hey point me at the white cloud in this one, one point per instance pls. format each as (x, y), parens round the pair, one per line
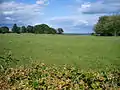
(79, 19)
(7, 12)
(20, 13)
(81, 22)
(86, 14)
(107, 6)
(39, 2)
(86, 5)
(8, 18)
(75, 23)
(42, 2)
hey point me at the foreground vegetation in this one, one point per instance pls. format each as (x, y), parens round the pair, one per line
(43, 77)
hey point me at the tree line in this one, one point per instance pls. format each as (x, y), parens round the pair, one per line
(37, 29)
(108, 26)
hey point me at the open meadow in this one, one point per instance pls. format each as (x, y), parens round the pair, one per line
(86, 52)
(59, 45)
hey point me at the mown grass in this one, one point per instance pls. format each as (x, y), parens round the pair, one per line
(86, 52)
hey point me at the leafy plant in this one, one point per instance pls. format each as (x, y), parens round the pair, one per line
(7, 61)
(42, 77)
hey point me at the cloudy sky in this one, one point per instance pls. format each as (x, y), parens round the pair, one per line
(74, 16)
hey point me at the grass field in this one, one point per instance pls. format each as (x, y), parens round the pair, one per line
(87, 52)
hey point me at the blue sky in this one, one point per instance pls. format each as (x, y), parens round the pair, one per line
(74, 16)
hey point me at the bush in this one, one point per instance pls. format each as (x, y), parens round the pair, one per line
(7, 61)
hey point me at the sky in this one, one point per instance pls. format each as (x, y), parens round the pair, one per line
(74, 16)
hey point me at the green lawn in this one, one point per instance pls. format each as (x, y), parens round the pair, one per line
(87, 52)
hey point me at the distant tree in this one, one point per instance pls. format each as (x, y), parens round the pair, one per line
(16, 29)
(52, 31)
(60, 31)
(108, 25)
(23, 29)
(38, 29)
(4, 29)
(30, 29)
(43, 29)
(0, 30)
(93, 34)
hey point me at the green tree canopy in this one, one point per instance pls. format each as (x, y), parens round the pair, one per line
(4, 29)
(38, 29)
(108, 26)
(60, 31)
(16, 29)
(44, 29)
(23, 29)
(30, 29)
